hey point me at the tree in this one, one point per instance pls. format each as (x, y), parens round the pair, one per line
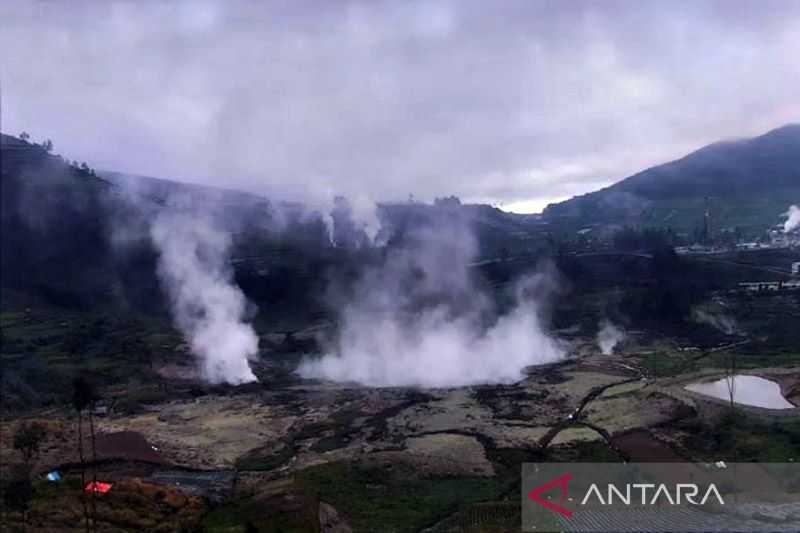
(448, 201)
(28, 439)
(48, 145)
(631, 239)
(18, 494)
(24, 136)
(83, 396)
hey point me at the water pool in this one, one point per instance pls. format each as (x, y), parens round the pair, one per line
(747, 390)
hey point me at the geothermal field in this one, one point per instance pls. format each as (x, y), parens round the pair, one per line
(312, 444)
(183, 358)
(382, 267)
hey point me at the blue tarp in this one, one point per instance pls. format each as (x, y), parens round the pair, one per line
(55, 475)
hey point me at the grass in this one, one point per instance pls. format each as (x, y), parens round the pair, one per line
(255, 515)
(596, 451)
(257, 462)
(743, 437)
(748, 361)
(43, 349)
(393, 499)
(662, 364)
(752, 214)
(129, 506)
(385, 499)
(397, 499)
(389, 498)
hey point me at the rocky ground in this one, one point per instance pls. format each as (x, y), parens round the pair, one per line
(308, 454)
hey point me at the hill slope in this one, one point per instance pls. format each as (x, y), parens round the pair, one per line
(72, 238)
(54, 226)
(749, 183)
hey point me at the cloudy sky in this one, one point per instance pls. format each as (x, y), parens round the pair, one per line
(513, 103)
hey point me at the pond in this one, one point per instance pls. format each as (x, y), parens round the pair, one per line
(747, 390)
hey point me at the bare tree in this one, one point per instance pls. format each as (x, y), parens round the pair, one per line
(28, 439)
(82, 397)
(92, 407)
(730, 377)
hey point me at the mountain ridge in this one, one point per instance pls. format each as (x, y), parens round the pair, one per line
(761, 174)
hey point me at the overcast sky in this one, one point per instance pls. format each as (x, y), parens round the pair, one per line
(513, 103)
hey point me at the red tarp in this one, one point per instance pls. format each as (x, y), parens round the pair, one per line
(98, 487)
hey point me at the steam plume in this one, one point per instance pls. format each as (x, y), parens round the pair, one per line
(419, 319)
(720, 322)
(608, 337)
(792, 220)
(207, 306)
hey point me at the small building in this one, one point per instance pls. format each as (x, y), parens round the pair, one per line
(774, 286)
(796, 269)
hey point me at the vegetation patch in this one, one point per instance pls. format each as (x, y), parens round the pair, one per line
(661, 364)
(739, 436)
(263, 460)
(273, 515)
(393, 498)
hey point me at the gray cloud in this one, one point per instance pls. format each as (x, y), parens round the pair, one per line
(517, 101)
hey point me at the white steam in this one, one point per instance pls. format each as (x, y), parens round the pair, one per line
(327, 220)
(206, 305)
(361, 212)
(365, 212)
(419, 319)
(608, 337)
(720, 322)
(792, 219)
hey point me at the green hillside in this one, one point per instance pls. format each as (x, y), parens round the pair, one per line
(746, 183)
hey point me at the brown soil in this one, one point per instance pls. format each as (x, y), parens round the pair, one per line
(127, 445)
(642, 447)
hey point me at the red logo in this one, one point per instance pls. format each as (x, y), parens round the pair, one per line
(561, 482)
